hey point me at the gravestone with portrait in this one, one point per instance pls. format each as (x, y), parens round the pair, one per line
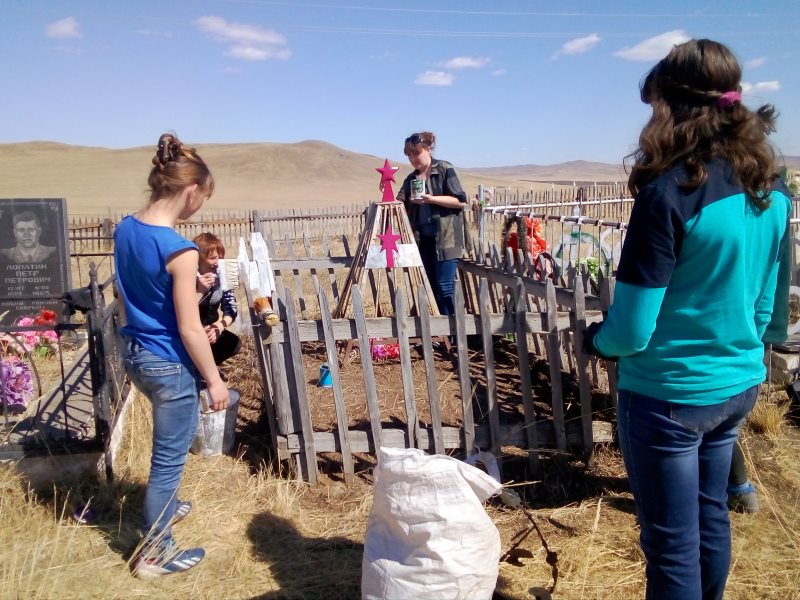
(34, 257)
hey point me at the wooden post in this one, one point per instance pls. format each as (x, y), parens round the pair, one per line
(531, 437)
(554, 357)
(488, 357)
(301, 396)
(412, 420)
(430, 375)
(468, 438)
(366, 368)
(338, 394)
(578, 322)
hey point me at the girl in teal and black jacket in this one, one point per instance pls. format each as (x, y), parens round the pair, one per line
(702, 284)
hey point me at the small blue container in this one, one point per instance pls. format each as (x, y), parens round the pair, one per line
(325, 380)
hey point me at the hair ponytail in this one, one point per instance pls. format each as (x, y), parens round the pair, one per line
(176, 167)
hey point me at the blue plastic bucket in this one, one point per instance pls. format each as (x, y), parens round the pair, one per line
(325, 379)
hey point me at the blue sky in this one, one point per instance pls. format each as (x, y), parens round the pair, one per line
(499, 82)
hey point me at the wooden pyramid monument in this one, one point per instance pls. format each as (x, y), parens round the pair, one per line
(387, 247)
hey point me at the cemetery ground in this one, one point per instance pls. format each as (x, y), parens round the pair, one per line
(269, 536)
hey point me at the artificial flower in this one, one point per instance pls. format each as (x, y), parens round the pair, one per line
(16, 383)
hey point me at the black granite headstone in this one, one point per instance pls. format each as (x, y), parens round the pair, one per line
(35, 266)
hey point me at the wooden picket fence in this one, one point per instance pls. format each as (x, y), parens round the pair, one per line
(505, 303)
(502, 299)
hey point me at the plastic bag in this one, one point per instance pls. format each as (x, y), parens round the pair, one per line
(428, 534)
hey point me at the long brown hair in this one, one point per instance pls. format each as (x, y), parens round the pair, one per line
(698, 116)
(175, 167)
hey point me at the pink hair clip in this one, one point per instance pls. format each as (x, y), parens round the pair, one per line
(728, 99)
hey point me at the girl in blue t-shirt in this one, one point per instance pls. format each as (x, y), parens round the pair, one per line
(166, 350)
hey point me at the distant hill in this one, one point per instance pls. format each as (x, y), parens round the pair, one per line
(581, 170)
(792, 162)
(262, 176)
(248, 176)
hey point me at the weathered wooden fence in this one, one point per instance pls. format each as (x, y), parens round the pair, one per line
(502, 300)
(506, 306)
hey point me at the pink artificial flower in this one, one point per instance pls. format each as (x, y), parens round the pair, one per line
(49, 335)
(35, 340)
(378, 352)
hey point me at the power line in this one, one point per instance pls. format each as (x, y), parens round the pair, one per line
(507, 34)
(497, 13)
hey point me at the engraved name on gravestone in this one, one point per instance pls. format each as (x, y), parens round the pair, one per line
(34, 257)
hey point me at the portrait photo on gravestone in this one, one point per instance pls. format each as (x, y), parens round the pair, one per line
(34, 257)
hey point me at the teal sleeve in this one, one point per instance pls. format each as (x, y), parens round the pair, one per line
(772, 312)
(631, 320)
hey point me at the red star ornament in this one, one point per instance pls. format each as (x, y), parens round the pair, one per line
(387, 171)
(389, 245)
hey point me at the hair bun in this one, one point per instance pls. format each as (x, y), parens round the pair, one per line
(169, 149)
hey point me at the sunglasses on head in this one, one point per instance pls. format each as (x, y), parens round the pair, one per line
(414, 139)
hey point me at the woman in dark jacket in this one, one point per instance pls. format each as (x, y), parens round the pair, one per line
(436, 215)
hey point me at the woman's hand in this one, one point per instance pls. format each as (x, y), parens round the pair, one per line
(205, 281)
(219, 396)
(425, 199)
(213, 332)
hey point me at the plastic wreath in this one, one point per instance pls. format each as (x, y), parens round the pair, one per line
(16, 383)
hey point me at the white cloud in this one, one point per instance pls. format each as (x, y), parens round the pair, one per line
(65, 28)
(498, 72)
(439, 78)
(654, 48)
(247, 42)
(761, 86)
(245, 52)
(465, 62)
(754, 63)
(578, 45)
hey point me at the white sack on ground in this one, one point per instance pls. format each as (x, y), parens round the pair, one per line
(428, 534)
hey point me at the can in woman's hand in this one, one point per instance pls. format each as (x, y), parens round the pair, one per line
(417, 189)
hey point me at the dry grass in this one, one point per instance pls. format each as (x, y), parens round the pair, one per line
(268, 537)
(259, 531)
(769, 414)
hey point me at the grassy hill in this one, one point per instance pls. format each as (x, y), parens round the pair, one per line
(248, 176)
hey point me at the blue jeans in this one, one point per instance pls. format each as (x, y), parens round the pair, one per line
(441, 274)
(172, 389)
(678, 458)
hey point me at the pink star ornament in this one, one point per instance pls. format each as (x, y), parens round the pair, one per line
(387, 177)
(387, 171)
(389, 241)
